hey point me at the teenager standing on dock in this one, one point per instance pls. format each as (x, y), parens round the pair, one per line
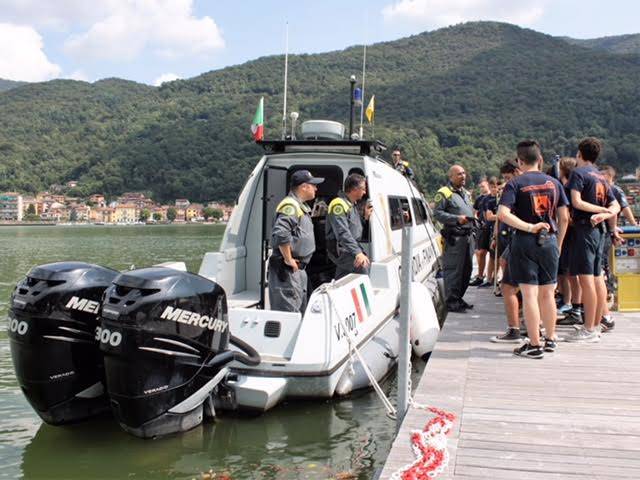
(593, 203)
(530, 204)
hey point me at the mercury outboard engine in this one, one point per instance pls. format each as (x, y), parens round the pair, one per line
(165, 338)
(53, 318)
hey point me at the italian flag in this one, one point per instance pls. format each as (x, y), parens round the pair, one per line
(257, 126)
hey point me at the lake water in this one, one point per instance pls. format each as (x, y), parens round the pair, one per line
(345, 438)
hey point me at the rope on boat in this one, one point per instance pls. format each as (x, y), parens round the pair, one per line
(353, 349)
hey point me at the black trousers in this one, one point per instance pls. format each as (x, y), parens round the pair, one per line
(457, 264)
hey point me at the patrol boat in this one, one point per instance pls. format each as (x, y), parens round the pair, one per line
(163, 348)
(311, 354)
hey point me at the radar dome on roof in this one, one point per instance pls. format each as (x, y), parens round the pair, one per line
(322, 130)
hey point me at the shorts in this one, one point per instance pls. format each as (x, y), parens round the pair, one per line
(586, 250)
(534, 264)
(563, 265)
(503, 244)
(506, 272)
(484, 238)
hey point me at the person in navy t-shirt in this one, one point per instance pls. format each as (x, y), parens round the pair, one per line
(593, 203)
(535, 205)
(481, 254)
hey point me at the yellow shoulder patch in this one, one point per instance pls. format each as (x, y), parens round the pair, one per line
(337, 210)
(287, 209)
(438, 198)
(445, 192)
(338, 206)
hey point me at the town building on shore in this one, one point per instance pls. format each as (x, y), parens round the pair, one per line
(11, 206)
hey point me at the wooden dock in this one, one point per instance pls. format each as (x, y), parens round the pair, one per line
(573, 415)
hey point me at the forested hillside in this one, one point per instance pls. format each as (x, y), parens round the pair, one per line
(9, 84)
(623, 44)
(461, 94)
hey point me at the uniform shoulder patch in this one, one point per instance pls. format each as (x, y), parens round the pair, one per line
(337, 210)
(287, 210)
(438, 197)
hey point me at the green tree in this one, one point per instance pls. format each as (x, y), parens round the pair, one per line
(171, 214)
(209, 212)
(31, 209)
(73, 216)
(145, 214)
(157, 216)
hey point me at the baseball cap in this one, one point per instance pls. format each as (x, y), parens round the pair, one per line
(304, 176)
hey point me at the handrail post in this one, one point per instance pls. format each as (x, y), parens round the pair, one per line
(406, 277)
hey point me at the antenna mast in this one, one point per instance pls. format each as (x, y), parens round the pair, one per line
(364, 73)
(286, 71)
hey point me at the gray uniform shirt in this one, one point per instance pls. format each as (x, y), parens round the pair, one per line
(291, 227)
(344, 226)
(450, 204)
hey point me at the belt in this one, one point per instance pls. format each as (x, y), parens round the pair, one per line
(454, 233)
(523, 233)
(279, 262)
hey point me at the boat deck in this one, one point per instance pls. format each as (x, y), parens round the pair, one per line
(573, 415)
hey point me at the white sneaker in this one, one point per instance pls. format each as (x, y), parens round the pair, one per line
(582, 335)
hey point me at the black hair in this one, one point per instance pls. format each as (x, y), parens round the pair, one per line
(529, 152)
(352, 182)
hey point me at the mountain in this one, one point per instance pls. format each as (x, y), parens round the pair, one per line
(465, 94)
(9, 84)
(623, 44)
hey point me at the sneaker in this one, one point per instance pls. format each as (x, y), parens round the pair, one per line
(466, 305)
(550, 345)
(486, 284)
(607, 323)
(582, 335)
(572, 318)
(511, 336)
(530, 351)
(476, 281)
(564, 309)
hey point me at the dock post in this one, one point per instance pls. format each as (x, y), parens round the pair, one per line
(406, 277)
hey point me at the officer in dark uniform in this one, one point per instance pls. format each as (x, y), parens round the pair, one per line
(293, 245)
(345, 226)
(453, 209)
(401, 165)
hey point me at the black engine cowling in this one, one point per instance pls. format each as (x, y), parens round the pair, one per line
(165, 338)
(53, 318)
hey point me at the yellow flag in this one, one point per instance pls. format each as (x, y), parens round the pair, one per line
(371, 109)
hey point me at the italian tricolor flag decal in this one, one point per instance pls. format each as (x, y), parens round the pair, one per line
(361, 302)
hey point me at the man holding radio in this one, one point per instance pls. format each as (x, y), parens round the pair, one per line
(535, 205)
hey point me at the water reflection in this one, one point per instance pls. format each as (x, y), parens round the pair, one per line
(297, 440)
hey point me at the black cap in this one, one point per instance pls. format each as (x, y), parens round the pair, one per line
(304, 176)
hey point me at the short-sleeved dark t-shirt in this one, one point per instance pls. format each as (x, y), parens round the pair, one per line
(620, 196)
(490, 204)
(478, 204)
(534, 197)
(593, 188)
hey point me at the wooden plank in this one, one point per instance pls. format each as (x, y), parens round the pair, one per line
(574, 414)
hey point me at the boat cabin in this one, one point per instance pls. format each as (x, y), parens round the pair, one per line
(240, 265)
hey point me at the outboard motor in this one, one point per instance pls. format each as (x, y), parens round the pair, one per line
(165, 339)
(53, 318)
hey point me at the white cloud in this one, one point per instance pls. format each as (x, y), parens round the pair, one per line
(57, 15)
(165, 77)
(165, 28)
(77, 75)
(21, 55)
(439, 13)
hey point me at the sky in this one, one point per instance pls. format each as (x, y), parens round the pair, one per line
(152, 41)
